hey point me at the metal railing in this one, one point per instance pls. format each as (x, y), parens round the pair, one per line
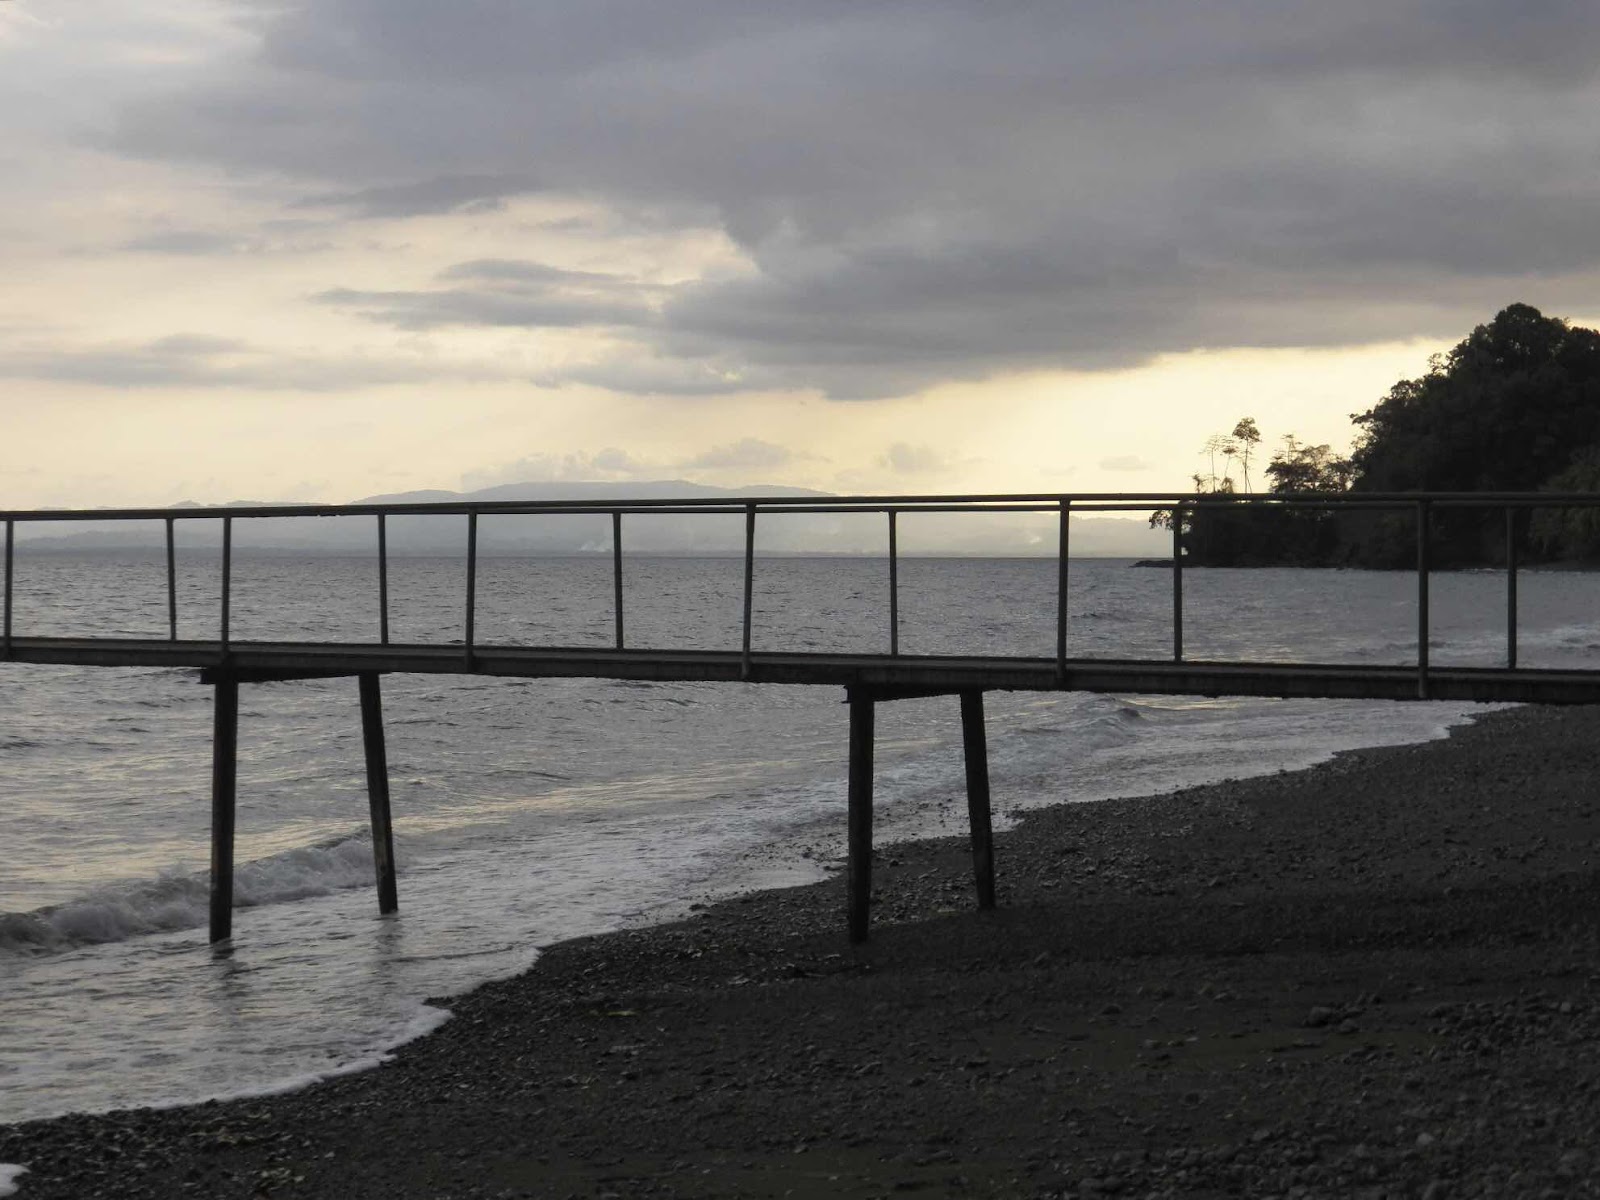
(1179, 507)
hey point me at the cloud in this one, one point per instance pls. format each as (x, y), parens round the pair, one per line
(183, 241)
(614, 465)
(642, 373)
(934, 190)
(747, 453)
(607, 465)
(506, 293)
(905, 459)
(498, 308)
(1125, 462)
(202, 361)
(273, 238)
(424, 197)
(522, 271)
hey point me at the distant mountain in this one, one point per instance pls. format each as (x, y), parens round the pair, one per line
(600, 491)
(999, 534)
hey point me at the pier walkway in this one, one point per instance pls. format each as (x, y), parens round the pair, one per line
(868, 678)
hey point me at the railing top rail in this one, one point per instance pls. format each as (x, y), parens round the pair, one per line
(974, 502)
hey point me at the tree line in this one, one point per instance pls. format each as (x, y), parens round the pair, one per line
(1514, 407)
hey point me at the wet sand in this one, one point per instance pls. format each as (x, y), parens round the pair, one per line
(1376, 977)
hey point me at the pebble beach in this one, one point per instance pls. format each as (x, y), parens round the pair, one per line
(1375, 977)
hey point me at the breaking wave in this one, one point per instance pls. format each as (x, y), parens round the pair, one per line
(182, 900)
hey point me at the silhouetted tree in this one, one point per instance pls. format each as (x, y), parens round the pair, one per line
(1570, 533)
(1303, 535)
(1221, 534)
(1297, 467)
(1246, 437)
(1514, 407)
(1510, 408)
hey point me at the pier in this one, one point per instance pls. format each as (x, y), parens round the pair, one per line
(867, 679)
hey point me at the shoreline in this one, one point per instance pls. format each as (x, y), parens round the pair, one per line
(1136, 1011)
(1132, 754)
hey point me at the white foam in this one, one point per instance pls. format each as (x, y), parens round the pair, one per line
(8, 1178)
(424, 1023)
(181, 901)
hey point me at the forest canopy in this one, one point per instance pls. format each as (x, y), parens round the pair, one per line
(1514, 407)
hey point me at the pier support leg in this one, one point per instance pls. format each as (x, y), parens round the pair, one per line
(859, 871)
(224, 779)
(378, 791)
(976, 744)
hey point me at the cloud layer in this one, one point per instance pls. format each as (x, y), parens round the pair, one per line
(931, 191)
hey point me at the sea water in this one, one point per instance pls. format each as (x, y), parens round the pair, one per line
(528, 811)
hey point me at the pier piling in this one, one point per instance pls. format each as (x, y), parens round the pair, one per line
(224, 779)
(859, 872)
(378, 791)
(976, 746)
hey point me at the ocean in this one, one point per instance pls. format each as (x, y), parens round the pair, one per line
(528, 811)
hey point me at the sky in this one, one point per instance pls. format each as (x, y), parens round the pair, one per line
(285, 250)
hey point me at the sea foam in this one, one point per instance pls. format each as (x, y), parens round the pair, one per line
(172, 901)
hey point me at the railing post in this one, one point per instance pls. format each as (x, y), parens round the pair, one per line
(383, 581)
(227, 581)
(1177, 583)
(1511, 587)
(749, 583)
(172, 583)
(472, 579)
(1061, 591)
(11, 536)
(1423, 531)
(616, 571)
(894, 585)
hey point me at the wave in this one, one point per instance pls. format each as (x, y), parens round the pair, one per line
(1577, 644)
(182, 901)
(1106, 614)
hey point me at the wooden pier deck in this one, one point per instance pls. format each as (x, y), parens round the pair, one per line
(226, 663)
(883, 675)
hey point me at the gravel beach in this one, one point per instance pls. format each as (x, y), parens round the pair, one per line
(1376, 977)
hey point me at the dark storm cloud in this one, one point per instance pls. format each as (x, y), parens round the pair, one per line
(935, 189)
